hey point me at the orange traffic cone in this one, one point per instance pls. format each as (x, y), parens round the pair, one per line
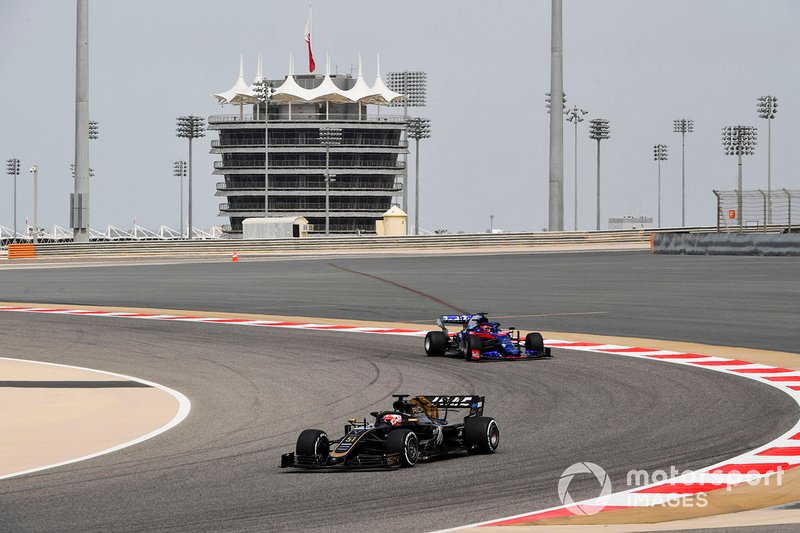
(235, 257)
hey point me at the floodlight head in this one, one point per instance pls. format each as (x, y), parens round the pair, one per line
(683, 125)
(598, 129)
(419, 128)
(411, 84)
(329, 136)
(190, 127)
(767, 106)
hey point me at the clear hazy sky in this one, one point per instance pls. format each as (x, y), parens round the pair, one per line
(638, 63)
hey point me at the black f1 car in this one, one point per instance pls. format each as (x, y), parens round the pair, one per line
(413, 430)
(479, 339)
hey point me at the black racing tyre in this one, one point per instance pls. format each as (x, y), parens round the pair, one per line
(534, 342)
(472, 342)
(313, 442)
(481, 434)
(405, 443)
(435, 343)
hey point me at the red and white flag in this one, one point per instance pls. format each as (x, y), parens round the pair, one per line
(311, 64)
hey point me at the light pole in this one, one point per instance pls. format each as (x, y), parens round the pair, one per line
(190, 127)
(659, 155)
(35, 170)
(739, 141)
(575, 115)
(598, 130)
(80, 199)
(329, 137)
(767, 107)
(556, 153)
(12, 166)
(683, 126)
(414, 86)
(179, 171)
(264, 91)
(418, 128)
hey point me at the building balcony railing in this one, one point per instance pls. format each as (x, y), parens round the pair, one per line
(296, 163)
(259, 207)
(358, 185)
(309, 117)
(362, 143)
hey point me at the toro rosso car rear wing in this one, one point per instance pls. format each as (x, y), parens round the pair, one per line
(461, 320)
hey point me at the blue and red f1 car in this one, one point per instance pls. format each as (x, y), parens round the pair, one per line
(479, 339)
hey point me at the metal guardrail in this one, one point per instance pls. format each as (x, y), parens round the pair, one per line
(308, 117)
(198, 248)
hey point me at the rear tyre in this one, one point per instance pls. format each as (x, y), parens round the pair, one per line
(471, 344)
(313, 442)
(435, 343)
(481, 434)
(403, 443)
(534, 342)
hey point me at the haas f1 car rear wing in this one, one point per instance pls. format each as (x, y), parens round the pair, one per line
(473, 403)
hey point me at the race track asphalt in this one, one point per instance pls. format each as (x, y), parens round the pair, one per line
(254, 389)
(752, 302)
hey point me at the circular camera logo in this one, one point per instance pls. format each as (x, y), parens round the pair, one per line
(588, 506)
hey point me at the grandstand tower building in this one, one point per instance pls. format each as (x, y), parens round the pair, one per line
(366, 170)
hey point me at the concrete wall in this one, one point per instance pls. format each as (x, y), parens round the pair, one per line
(726, 243)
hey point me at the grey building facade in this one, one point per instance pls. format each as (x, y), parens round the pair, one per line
(368, 167)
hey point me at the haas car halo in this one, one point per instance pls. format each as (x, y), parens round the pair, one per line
(479, 339)
(412, 431)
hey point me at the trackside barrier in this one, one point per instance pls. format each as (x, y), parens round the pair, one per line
(21, 251)
(787, 244)
(199, 248)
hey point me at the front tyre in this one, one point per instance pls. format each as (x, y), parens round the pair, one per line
(402, 448)
(472, 348)
(313, 442)
(435, 343)
(534, 343)
(481, 434)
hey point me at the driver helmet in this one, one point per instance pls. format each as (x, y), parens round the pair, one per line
(483, 320)
(392, 419)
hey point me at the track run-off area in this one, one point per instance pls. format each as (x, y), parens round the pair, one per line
(254, 388)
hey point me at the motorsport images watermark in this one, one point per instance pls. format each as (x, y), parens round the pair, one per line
(642, 478)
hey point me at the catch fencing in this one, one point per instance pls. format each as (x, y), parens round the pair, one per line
(758, 210)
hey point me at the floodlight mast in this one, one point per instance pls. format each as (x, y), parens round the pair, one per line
(739, 140)
(329, 137)
(190, 127)
(767, 107)
(12, 167)
(418, 128)
(683, 126)
(659, 155)
(574, 115)
(179, 171)
(598, 130)
(264, 91)
(414, 86)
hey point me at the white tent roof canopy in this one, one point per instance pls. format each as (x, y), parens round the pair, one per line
(240, 87)
(327, 91)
